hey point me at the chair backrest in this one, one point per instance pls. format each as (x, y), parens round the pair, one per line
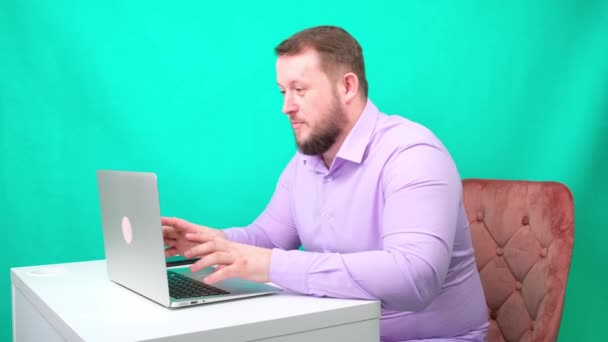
(523, 233)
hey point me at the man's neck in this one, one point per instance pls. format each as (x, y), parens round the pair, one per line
(352, 115)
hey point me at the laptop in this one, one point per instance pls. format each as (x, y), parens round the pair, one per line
(135, 251)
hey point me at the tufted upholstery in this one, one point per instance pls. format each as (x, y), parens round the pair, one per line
(523, 234)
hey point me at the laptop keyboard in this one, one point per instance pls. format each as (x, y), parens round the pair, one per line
(183, 287)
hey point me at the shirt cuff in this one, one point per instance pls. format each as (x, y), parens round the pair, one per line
(289, 269)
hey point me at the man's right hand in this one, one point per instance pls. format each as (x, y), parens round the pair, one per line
(174, 234)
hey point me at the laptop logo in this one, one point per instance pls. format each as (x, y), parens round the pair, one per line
(127, 230)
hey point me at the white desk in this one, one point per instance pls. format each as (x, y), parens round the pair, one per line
(77, 302)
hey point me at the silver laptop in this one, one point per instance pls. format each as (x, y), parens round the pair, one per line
(134, 247)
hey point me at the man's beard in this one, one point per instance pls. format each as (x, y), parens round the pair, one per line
(323, 134)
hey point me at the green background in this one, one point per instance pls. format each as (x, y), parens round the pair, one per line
(516, 90)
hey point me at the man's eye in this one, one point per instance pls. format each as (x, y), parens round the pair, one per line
(300, 90)
(283, 92)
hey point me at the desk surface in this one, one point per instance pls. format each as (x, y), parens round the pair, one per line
(82, 303)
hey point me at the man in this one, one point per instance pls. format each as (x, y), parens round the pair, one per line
(375, 200)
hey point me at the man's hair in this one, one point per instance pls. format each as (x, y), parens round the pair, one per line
(338, 50)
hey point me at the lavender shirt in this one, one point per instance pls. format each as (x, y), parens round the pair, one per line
(385, 222)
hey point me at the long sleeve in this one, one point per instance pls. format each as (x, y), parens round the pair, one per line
(422, 193)
(274, 227)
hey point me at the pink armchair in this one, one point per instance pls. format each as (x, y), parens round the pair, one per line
(523, 234)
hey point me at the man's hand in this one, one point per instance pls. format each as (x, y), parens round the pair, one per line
(233, 259)
(174, 231)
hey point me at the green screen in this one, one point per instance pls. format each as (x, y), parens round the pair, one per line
(187, 89)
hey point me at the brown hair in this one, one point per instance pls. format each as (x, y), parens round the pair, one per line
(336, 47)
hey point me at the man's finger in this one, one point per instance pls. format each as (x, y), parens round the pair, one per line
(221, 272)
(217, 258)
(169, 252)
(177, 223)
(169, 233)
(208, 247)
(169, 221)
(200, 237)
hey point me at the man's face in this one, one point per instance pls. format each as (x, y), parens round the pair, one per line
(310, 101)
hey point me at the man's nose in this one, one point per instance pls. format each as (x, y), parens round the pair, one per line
(289, 106)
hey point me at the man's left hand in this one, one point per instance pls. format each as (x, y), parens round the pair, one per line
(233, 259)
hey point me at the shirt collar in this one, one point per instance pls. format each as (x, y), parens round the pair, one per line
(359, 137)
(356, 141)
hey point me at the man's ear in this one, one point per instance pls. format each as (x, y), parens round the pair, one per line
(349, 86)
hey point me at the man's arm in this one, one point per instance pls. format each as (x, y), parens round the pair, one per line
(422, 191)
(275, 226)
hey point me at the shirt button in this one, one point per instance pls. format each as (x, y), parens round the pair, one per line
(330, 178)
